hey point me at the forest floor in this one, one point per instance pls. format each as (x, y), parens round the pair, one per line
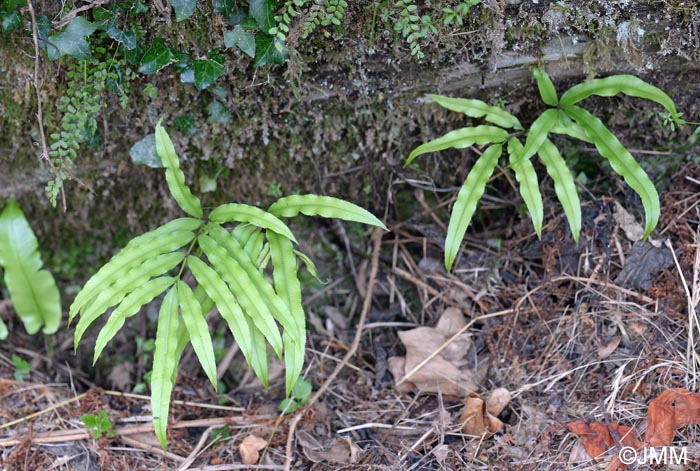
(547, 332)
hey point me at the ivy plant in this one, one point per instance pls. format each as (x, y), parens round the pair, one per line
(564, 116)
(227, 252)
(33, 291)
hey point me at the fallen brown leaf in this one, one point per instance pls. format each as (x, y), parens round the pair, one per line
(671, 410)
(445, 372)
(597, 439)
(250, 449)
(607, 349)
(481, 417)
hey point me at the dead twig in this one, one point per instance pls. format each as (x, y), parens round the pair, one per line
(73, 13)
(39, 111)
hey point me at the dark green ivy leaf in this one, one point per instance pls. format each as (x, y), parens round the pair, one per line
(183, 8)
(266, 51)
(138, 9)
(157, 57)
(217, 113)
(206, 72)
(241, 39)
(11, 5)
(264, 13)
(144, 152)
(11, 21)
(185, 124)
(125, 38)
(72, 41)
(225, 7)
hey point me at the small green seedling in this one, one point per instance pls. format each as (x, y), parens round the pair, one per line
(22, 368)
(301, 393)
(99, 425)
(564, 116)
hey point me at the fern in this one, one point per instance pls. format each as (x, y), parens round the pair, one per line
(238, 241)
(564, 117)
(412, 27)
(86, 95)
(33, 291)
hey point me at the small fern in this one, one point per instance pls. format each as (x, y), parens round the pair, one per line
(228, 265)
(412, 27)
(80, 106)
(564, 117)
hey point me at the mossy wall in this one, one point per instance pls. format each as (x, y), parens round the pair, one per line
(342, 114)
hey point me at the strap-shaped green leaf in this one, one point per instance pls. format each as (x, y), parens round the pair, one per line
(222, 296)
(165, 362)
(459, 139)
(166, 238)
(546, 87)
(3, 330)
(129, 306)
(611, 86)
(570, 128)
(254, 293)
(131, 280)
(258, 360)
(33, 291)
(174, 176)
(243, 232)
(564, 185)
(465, 205)
(324, 206)
(251, 214)
(198, 330)
(538, 132)
(478, 109)
(622, 162)
(309, 264)
(254, 246)
(287, 285)
(204, 300)
(529, 184)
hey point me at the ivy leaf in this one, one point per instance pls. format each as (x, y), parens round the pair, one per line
(264, 13)
(185, 124)
(266, 51)
(217, 113)
(125, 38)
(157, 57)
(72, 41)
(206, 72)
(11, 21)
(183, 8)
(144, 152)
(241, 39)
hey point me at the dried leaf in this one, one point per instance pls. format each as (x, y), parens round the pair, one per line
(479, 416)
(597, 438)
(472, 418)
(339, 450)
(606, 349)
(643, 264)
(250, 449)
(634, 231)
(497, 401)
(445, 372)
(671, 410)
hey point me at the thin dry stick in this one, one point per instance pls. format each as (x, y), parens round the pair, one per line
(151, 449)
(39, 111)
(374, 267)
(691, 354)
(193, 455)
